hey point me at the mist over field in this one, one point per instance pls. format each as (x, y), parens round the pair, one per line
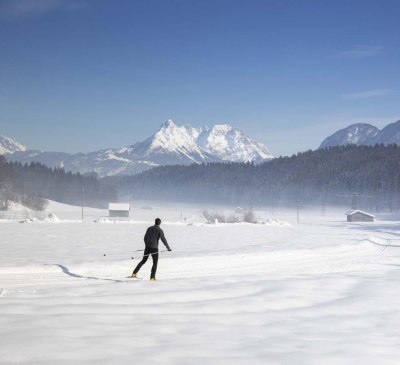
(353, 176)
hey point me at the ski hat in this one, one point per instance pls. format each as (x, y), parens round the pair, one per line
(158, 221)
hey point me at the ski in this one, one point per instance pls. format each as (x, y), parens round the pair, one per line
(134, 278)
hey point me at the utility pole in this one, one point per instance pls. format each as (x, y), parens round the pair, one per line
(83, 199)
(354, 203)
(3, 196)
(7, 195)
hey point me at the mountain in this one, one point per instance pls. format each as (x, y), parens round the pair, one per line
(8, 145)
(388, 135)
(186, 145)
(170, 145)
(357, 134)
(364, 134)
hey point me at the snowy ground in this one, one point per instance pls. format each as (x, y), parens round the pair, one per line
(321, 292)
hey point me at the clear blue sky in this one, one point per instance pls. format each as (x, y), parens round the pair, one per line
(79, 75)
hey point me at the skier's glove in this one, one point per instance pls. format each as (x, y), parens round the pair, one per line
(169, 249)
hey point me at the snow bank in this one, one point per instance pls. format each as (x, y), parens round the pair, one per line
(29, 220)
(267, 223)
(276, 223)
(52, 218)
(104, 220)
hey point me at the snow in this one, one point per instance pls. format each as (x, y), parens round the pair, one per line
(351, 212)
(171, 137)
(319, 292)
(118, 206)
(9, 145)
(109, 155)
(230, 144)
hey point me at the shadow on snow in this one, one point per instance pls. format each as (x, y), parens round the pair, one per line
(66, 271)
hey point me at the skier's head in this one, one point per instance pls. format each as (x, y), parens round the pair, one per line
(158, 221)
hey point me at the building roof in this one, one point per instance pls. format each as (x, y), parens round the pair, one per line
(351, 212)
(119, 206)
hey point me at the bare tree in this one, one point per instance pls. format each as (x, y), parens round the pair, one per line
(249, 217)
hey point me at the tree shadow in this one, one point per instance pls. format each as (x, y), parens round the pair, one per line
(377, 228)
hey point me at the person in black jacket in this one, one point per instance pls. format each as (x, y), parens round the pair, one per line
(151, 238)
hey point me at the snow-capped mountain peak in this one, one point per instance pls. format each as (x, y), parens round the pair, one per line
(231, 144)
(168, 124)
(222, 142)
(172, 137)
(9, 145)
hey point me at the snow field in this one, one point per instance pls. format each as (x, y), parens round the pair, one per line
(316, 293)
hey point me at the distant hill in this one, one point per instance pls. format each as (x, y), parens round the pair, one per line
(362, 134)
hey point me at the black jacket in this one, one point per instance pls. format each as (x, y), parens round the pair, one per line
(153, 234)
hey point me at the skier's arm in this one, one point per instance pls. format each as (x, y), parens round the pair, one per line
(145, 236)
(164, 240)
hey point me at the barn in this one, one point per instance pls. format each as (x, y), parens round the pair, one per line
(359, 216)
(118, 210)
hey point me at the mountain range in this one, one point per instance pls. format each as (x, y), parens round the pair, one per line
(364, 134)
(170, 145)
(185, 145)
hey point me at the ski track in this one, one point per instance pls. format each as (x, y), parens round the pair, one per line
(317, 293)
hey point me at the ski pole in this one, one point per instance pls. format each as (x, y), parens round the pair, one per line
(117, 254)
(155, 253)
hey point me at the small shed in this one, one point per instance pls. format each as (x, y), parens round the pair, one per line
(118, 210)
(359, 216)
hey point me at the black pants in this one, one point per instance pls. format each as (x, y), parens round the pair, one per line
(149, 251)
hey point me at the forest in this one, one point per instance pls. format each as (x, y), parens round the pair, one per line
(32, 184)
(353, 176)
(363, 177)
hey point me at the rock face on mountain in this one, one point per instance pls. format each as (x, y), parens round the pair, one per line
(8, 145)
(171, 144)
(364, 134)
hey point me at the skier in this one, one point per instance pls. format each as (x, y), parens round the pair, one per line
(151, 238)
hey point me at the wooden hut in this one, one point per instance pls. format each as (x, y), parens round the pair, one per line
(359, 216)
(118, 210)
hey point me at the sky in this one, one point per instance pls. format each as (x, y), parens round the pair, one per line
(80, 75)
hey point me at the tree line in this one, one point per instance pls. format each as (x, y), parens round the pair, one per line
(368, 176)
(31, 184)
